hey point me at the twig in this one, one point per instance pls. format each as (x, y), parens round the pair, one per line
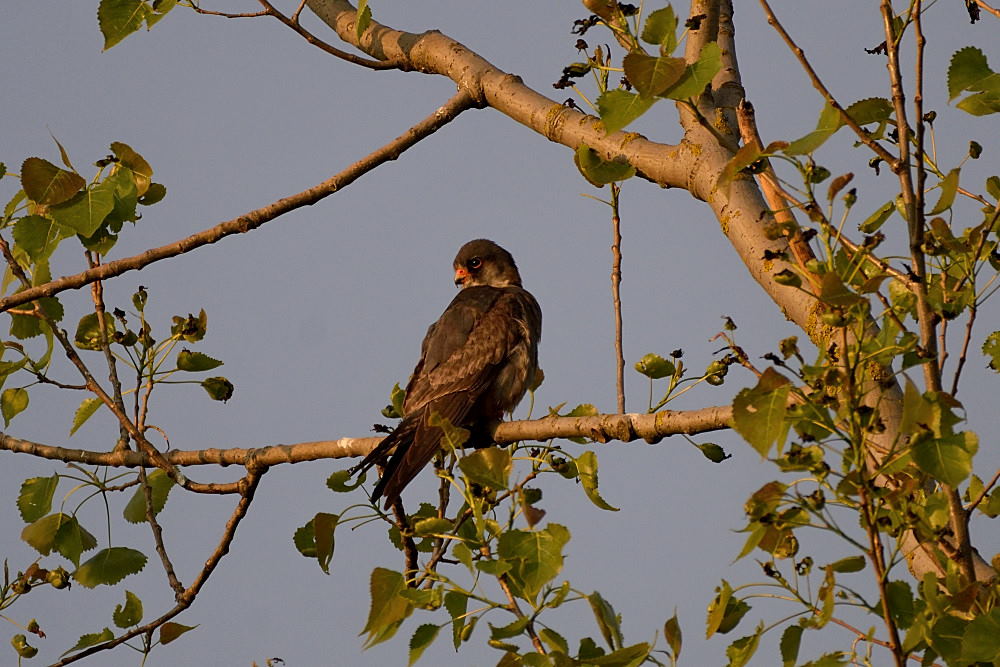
(294, 24)
(865, 138)
(985, 492)
(616, 281)
(97, 294)
(249, 487)
(409, 547)
(155, 456)
(253, 219)
(991, 10)
(226, 15)
(157, 530)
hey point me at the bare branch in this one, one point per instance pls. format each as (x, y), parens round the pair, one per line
(818, 84)
(602, 428)
(257, 217)
(294, 24)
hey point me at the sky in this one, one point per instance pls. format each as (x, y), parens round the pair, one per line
(317, 314)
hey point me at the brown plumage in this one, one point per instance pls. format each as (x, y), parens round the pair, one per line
(476, 363)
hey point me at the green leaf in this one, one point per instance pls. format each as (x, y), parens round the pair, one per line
(456, 604)
(870, 110)
(304, 540)
(586, 465)
(947, 459)
(128, 614)
(901, 604)
(37, 236)
(713, 452)
(109, 566)
(85, 212)
(72, 540)
(536, 557)
(849, 564)
(160, 9)
(462, 554)
(617, 108)
(628, 656)
(969, 70)
(364, 18)
(512, 629)
(608, 622)
(554, 640)
(991, 348)
(981, 104)
(741, 651)
(86, 410)
(47, 184)
(170, 631)
(339, 481)
(93, 639)
(947, 636)
(791, 639)
(160, 485)
(494, 568)
(489, 467)
(660, 29)
(120, 18)
(88, 331)
(654, 366)
(13, 401)
(672, 633)
(196, 361)
(388, 608)
(981, 641)
(759, 413)
(432, 526)
(452, 437)
(725, 611)
(697, 75)
(599, 172)
(61, 532)
(651, 75)
(134, 164)
(155, 194)
(422, 637)
(219, 388)
(829, 122)
(35, 499)
(949, 186)
(324, 526)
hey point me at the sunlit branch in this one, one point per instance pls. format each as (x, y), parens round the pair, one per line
(257, 217)
(602, 428)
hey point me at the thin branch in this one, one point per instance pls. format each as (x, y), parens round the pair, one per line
(253, 219)
(187, 598)
(157, 530)
(155, 456)
(985, 492)
(227, 15)
(991, 10)
(603, 428)
(293, 23)
(818, 84)
(616, 297)
(97, 294)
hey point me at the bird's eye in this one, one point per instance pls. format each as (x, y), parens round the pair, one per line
(475, 263)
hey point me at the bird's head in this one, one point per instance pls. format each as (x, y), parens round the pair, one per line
(483, 262)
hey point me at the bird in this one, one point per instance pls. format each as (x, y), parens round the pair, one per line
(476, 363)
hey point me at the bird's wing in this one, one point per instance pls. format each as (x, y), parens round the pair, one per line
(462, 351)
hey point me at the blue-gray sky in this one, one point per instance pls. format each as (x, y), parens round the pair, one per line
(317, 314)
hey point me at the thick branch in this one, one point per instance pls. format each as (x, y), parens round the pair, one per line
(603, 428)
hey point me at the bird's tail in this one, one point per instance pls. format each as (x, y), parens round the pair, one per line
(399, 440)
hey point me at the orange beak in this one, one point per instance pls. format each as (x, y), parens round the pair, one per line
(461, 274)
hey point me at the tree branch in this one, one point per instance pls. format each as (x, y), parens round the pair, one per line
(257, 217)
(602, 428)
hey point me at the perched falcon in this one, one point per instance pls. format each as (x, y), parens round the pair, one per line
(476, 363)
